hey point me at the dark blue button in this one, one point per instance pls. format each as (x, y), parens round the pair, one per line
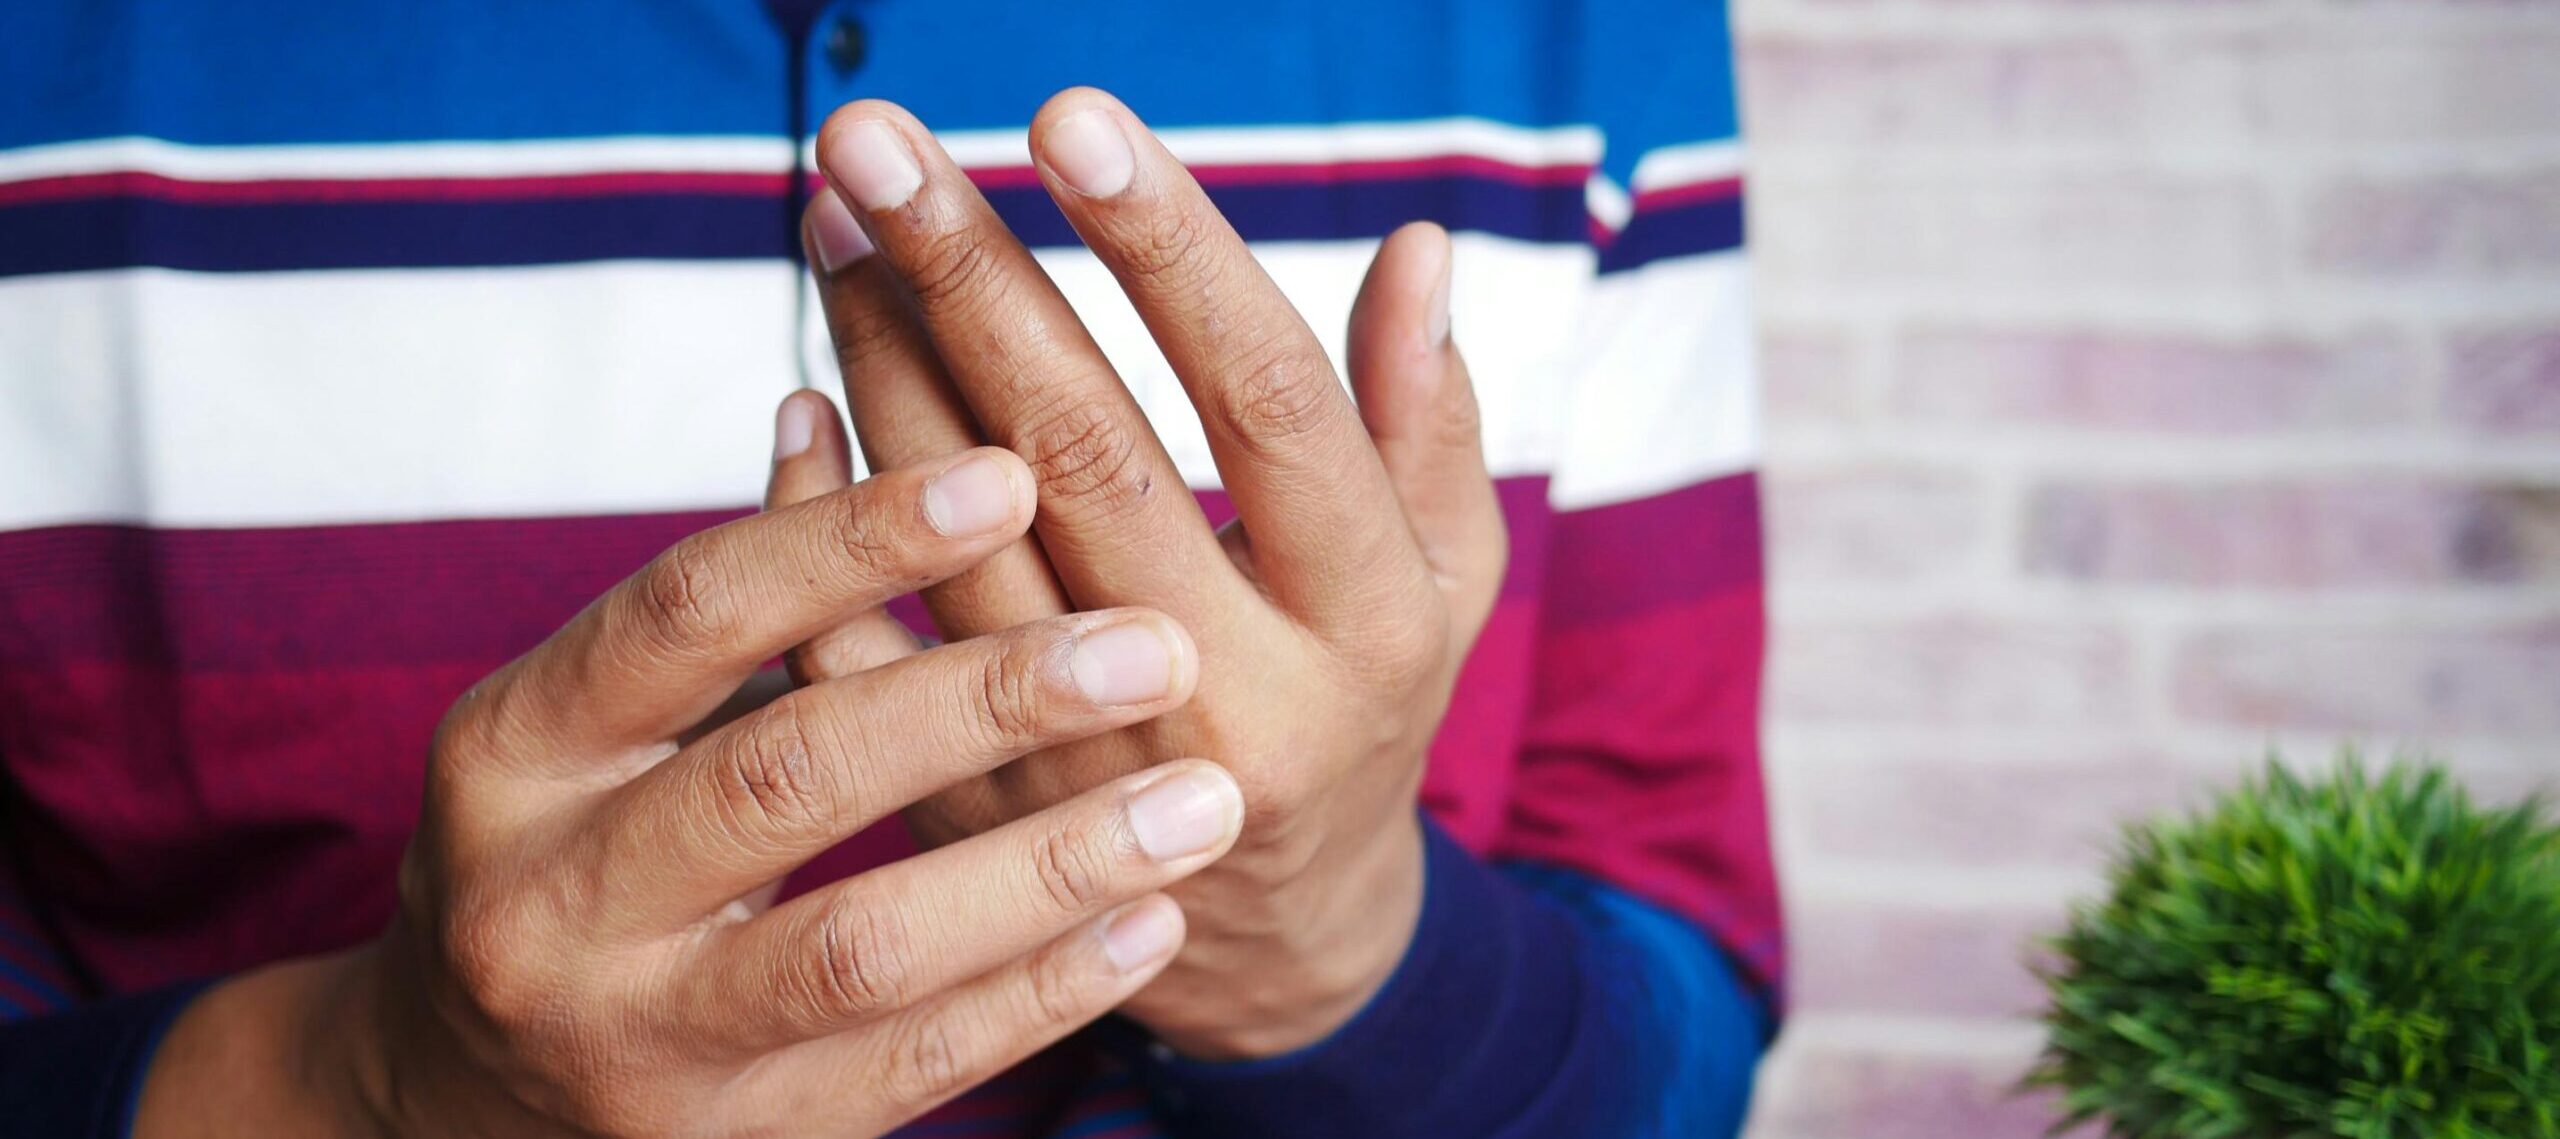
(847, 45)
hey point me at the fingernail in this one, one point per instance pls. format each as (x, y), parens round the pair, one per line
(1141, 935)
(1129, 663)
(1090, 151)
(835, 239)
(1436, 324)
(793, 427)
(874, 164)
(971, 498)
(1181, 815)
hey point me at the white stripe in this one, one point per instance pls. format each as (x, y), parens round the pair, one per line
(1663, 389)
(1687, 164)
(175, 399)
(1345, 142)
(1352, 142)
(225, 400)
(530, 157)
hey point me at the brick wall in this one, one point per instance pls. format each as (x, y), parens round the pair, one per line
(2149, 381)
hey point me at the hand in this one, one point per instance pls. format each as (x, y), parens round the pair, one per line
(1334, 615)
(585, 942)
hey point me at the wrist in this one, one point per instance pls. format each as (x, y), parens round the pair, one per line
(1288, 971)
(273, 1052)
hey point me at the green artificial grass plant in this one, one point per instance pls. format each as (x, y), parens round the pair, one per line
(2350, 955)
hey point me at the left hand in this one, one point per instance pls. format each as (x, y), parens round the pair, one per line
(1331, 617)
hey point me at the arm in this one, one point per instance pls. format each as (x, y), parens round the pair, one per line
(1622, 959)
(587, 941)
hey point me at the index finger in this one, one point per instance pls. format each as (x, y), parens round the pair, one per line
(660, 650)
(1289, 444)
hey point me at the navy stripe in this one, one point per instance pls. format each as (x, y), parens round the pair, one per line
(42, 988)
(120, 232)
(1710, 226)
(1112, 1121)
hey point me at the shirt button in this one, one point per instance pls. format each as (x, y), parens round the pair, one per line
(846, 45)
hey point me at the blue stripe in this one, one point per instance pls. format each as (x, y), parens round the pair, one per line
(238, 72)
(1694, 1029)
(1712, 226)
(109, 233)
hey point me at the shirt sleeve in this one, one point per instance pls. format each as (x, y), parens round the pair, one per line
(34, 978)
(67, 1069)
(1531, 1003)
(77, 1073)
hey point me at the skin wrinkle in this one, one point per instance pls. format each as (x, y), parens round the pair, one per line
(1346, 618)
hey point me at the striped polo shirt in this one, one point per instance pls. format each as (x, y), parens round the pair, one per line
(347, 349)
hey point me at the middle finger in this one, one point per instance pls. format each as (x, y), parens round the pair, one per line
(1114, 515)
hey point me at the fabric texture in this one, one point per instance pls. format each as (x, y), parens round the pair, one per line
(346, 351)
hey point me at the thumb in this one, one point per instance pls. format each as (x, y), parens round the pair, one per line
(1420, 408)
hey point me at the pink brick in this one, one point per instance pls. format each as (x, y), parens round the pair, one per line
(1808, 375)
(1887, 523)
(2401, 81)
(2458, 225)
(2506, 381)
(2365, 533)
(1924, 90)
(2121, 381)
(1947, 809)
(2486, 680)
(1855, 1094)
(1949, 670)
(1970, 961)
(2028, 233)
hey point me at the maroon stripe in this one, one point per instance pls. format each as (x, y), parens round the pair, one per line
(170, 188)
(1690, 194)
(312, 596)
(486, 589)
(1631, 557)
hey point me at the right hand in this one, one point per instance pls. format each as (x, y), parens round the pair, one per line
(585, 942)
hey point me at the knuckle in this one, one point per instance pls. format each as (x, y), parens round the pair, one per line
(683, 605)
(1082, 454)
(771, 777)
(864, 963)
(484, 953)
(858, 529)
(1409, 649)
(924, 1064)
(1008, 704)
(1281, 397)
(1173, 247)
(1058, 990)
(951, 268)
(1073, 865)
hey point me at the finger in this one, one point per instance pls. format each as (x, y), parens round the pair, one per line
(1419, 405)
(1114, 519)
(927, 1054)
(1305, 479)
(756, 799)
(871, 945)
(905, 411)
(662, 648)
(812, 458)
